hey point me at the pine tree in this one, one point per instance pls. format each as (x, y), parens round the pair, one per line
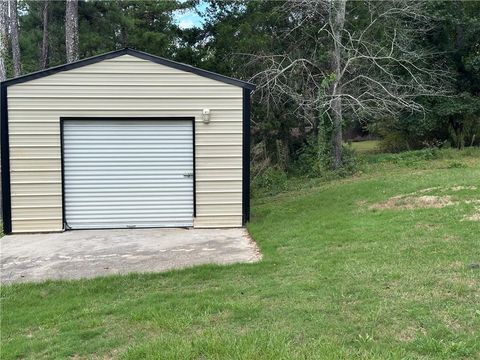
(71, 30)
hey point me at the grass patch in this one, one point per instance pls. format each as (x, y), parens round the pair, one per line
(365, 147)
(339, 279)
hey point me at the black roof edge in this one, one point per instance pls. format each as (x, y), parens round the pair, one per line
(136, 53)
(189, 68)
(64, 67)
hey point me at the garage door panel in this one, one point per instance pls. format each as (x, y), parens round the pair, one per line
(130, 164)
(141, 213)
(128, 173)
(117, 174)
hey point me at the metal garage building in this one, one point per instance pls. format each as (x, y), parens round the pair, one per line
(125, 139)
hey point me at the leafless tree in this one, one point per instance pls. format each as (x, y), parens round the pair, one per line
(3, 38)
(372, 71)
(17, 66)
(71, 30)
(337, 27)
(44, 57)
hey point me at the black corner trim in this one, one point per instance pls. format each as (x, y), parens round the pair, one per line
(246, 157)
(194, 172)
(62, 161)
(138, 54)
(6, 200)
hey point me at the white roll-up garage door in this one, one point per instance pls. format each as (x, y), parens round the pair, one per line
(128, 173)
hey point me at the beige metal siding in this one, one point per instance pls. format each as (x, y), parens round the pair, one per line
(124, 86)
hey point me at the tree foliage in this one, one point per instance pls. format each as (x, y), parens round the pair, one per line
(103, 26)
(389, 53)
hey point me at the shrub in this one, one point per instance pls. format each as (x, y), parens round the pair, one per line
(349, 162)
(308, 161)
(315, 160)
(393, 143)
(270, 182)
(456, 165)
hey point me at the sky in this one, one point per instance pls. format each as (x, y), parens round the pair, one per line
(189, 19)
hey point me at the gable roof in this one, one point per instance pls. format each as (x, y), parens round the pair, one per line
(136, 53)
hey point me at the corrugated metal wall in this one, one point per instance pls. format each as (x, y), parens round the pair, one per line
(125, 86)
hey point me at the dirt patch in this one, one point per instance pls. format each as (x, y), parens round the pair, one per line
(254, 246)
(414, 202)
(427, 190)
(459, 188)
(429, 227)
(409, 333)
(361, 203)
(444, 189)
(474, 217)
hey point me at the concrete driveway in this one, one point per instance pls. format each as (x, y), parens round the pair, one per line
(90, 253)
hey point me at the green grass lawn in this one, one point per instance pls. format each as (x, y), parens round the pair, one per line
(346, 273)
(365, 147)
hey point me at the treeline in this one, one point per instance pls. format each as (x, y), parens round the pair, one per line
(407, 72)
(53, 32)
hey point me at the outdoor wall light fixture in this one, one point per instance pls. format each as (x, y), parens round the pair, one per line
(206, 116)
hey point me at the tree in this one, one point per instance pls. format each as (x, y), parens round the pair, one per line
(376, 67)
(336, 24)
(454, 120)
(232, 32)
(104, 26)
(17, 65)
(44, 57)
(150, 26)
(71, 30)
(456, 37)
(3, 39)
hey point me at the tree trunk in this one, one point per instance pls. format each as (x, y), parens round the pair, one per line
(3, 39)
(17, 65)
(45, 55)
(338, 9)
(71, 30)
(123, 36)
(337, 136)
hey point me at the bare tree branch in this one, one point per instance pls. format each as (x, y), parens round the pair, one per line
(369, 75)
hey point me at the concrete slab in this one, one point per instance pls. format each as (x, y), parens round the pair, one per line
(90, 253)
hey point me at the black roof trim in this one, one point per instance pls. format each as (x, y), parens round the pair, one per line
(136, 53)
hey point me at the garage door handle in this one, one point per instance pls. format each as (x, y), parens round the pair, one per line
(188, 175)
